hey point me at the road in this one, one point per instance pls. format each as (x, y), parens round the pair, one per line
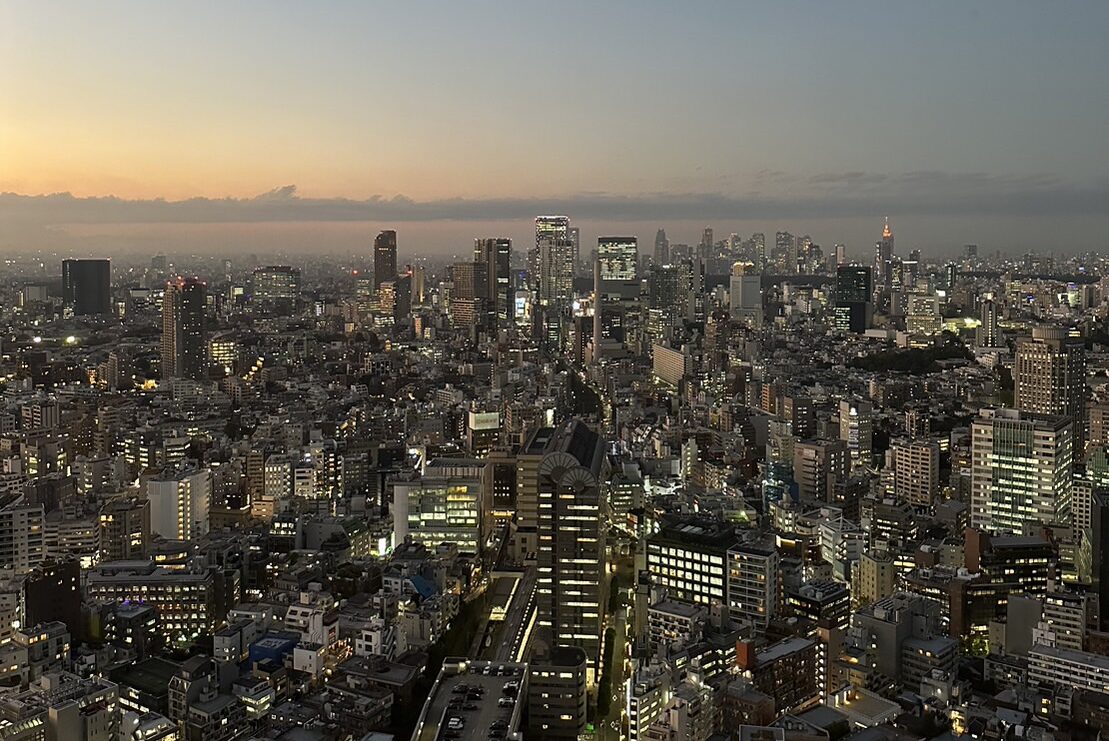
(608, 729)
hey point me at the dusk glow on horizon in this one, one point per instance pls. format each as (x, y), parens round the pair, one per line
(815, 113)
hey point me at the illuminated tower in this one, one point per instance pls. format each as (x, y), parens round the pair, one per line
(883, 258)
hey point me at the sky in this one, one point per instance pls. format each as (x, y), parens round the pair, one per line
(308, 126)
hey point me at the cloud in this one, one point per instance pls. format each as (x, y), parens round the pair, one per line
(820, 196)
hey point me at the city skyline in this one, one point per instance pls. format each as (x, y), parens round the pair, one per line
(963, 124)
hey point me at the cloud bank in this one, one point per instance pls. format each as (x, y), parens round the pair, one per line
(775, 196)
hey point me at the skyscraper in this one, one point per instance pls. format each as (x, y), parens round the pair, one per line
(987, 334)
(184, 341)
(856, 428)
(570, 594)
(854, 289)
(385, 257)
(619, 258)
(662, 248)
(495, 255)
(87, 286)
(1049, 377)
(556, 270)
(556, 229)
(883, 258)
(1021, 470)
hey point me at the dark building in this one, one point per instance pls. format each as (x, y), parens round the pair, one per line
(854, 286)
(385, 257)
(184, 325)
(87, 286)
(495, 255)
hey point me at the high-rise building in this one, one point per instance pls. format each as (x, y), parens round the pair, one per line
(619, 257)
(662, 248)
(818, 465)
(883, 258)
(916, 471)
(987, 334)
(745, 296)
(496, 255)
(856, 428)
(557, 230)
(275, 288)
(1049, 377)
(556, 271)
(854, 291)
(184, 329)
(124, 529)
(1021, 470)
(179, 504)
(87, 286)
(572, 572)
(385, 257)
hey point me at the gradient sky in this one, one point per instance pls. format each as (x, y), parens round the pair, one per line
(816, 116)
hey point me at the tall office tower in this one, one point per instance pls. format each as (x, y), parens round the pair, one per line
(385, 257)
(662, 248)
(883, 258)
(573, 233)
(557, 230)
(419, 279)
(556, 271)
(856, 428)
(572, 578)
(841, 254)
(495, 255)
(619, 258)
(87, 286)
(745, 296)
(971, 250)
(184, 320)
(785, 245)
(275, 288)
(987, 334)
(758, 250)
(1049, 377)
(707, 241)
(854, 293)
(1021, 470)
(951, 273)
(916, 471)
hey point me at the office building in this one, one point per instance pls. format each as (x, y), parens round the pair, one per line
(124, 529)
(556, 230)
(385, 257)
(688, 558)
(1021, 470)
(754, 582)
(433, 510)
(572, 582)
(619, 258)
(87, 286)
(496, 255)
(854, 298)
(275, 289)
(856, 428)
(1049, 377)
(184, 329)
(987, 334)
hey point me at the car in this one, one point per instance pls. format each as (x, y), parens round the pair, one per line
(506, 702)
